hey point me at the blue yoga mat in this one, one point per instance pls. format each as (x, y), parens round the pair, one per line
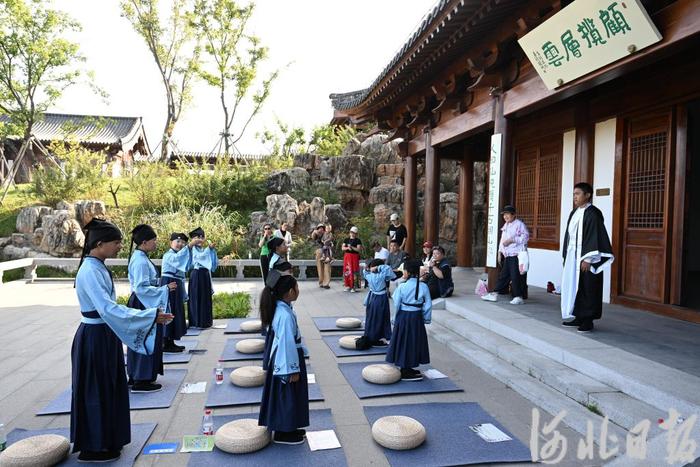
(281, 455)
(171, 381)
(228, 394)
(450, 441)
(338, 351)
(140, 433)
(365, 390)
(327, 323)
(181, 357)
(230, 354)
(193, 332)
(233, 326)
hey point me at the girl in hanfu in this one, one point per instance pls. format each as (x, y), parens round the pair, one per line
(143, 370)
(100, 423)
(278, 252)
(284, 408)
(409, 341)
(204, 262)
(173, 270)
(377, 314)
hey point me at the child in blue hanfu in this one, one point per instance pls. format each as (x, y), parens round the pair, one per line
(204, 262)
(100, 423)
(409, 341)
(278, 251)
(143, 370)
(377, 314)
(284, 408)
(174, 267)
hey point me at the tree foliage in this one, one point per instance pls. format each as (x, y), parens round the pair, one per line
(234, 57)
(37, 63)
(326, 140)
(174, 44)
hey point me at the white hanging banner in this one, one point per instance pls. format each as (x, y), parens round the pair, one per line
(494, 200)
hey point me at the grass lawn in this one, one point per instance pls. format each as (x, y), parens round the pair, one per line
(226, 305)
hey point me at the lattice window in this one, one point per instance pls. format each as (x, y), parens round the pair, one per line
(647, 181)
(538, 191)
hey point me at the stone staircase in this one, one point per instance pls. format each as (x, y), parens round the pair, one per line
(557, 369)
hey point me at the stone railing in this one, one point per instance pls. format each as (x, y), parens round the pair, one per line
(30, 264)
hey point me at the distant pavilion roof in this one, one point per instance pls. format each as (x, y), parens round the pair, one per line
(446, 32)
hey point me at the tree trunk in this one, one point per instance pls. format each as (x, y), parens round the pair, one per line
(167, 135)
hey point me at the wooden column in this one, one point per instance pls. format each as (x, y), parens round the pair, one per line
(410, 194)
(465, 211)
(504, 126)
(585, 141)
(431, 209)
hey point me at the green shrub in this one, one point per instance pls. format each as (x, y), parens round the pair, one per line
(80, 175)
(152, 186)
(368, 233)
(330, 140)
(323, 191)
(13, 275)
(48, 271)
(231, 305)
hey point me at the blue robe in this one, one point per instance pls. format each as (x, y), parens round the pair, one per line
(146, 293)
(199, 310)
(409, 343)
(377, 314)
(173, 269)
(100, 417)
(285, 405)
(274, 259)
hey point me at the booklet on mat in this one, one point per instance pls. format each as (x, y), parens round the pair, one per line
(320, 440)
(160, 448)
(200, 443)
(490, 433)
(220, 326)
(194, 388)
(434, 374)
(311, 378)
(197, 350)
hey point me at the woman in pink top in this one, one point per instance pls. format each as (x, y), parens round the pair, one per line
(514, 239)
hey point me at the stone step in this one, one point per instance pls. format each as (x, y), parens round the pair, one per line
(591, 394)
(656, 384)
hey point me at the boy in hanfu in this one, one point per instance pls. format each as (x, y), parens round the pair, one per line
(143, 370)
(173, 270)
(377, 314)
(587, 253)
(100, 423)
(204, 262)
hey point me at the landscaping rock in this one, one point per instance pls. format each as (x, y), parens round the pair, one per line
(448, 218)
(62, 235)
(65, 206)
(37, 237)
(352, 200)
(288, 180)
(326, 170)
(308, 162)
(18, 239)
(382, 212)
(336, 217)
(310, 215)
(391, 194)
(352, 173)
(4, 241)
(85, 211)
(282, 208)
(10, 252)
(353, 147)
(27, 219)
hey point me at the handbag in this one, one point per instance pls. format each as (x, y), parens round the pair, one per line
(523, 261)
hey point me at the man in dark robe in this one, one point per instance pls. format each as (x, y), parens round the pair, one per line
(587, 253)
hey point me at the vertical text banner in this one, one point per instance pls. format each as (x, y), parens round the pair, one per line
(494, 200)
(585, 36)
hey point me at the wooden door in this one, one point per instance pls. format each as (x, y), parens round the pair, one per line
(646, 229)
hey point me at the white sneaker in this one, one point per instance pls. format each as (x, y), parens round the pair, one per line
(517, 301)
(353, 290)
(347, 289)
(490, 297)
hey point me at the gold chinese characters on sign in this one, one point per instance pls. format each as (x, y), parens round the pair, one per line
(585, 36)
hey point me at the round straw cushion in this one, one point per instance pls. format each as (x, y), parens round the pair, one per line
(36, 451)
(381, 374)
(241, 436)
(348, 342)
(248, 376)
(348, 323)
(398, 432)
(250, 345)
(253, 325)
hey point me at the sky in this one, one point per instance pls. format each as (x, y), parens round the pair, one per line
(321, 46)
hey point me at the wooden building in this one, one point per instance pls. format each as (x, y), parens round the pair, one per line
(630, 126)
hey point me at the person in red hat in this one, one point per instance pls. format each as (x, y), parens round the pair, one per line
(427, 253)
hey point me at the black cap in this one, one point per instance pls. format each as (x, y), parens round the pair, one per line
(100, 230)
(274, 242)
(178, 236)
(198, 232)
(412, 266)
(142, 233)
(508, 209)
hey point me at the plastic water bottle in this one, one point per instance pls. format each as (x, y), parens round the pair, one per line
(208, 423)
(219, 373)
(250, 254)
(3, 438)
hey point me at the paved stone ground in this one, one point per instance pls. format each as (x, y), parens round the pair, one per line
(37, 323)
(668, 341)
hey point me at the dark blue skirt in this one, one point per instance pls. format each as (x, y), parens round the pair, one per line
(142, 367)
(99, 418)
(199, 308)
(409, 342)
(285, 406)
(178, 327)
(269, 337)
(377, 318)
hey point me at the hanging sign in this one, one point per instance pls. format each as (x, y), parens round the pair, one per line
(585, 36)
(494, 200)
